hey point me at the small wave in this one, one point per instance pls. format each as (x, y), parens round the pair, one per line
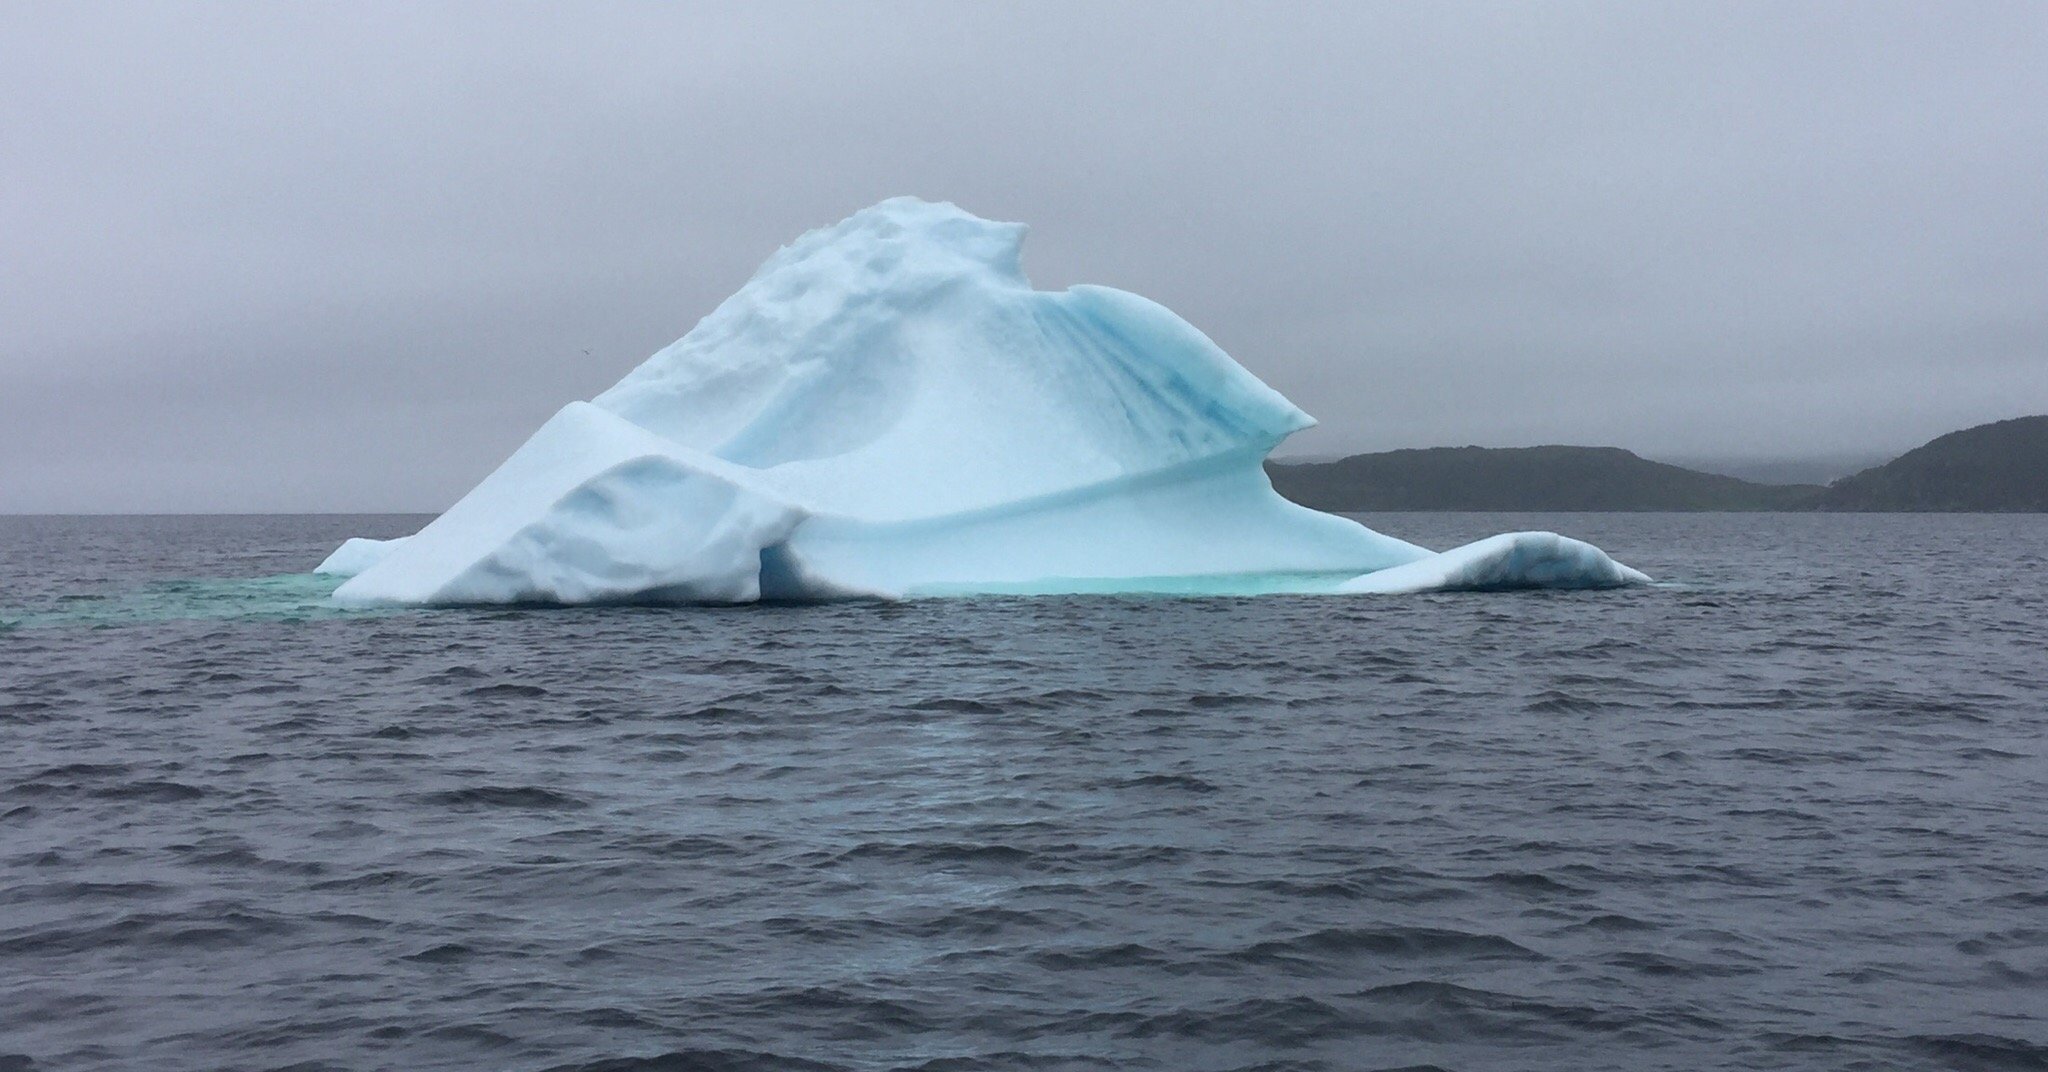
(1062, 698)
(1529, 882)
(935, 853)
(715, 1060)
(78, 891)
(85, 770)
(1440, 1011)
(26, 712)
(1288, 1021)
(1664, 965)
(219, 930)
(62, 782)
(209, 855)
(1013, 1061)
(370, 880)
(1968, 1053)
(503, 796)
(471, 1034)
(485, 692)
(1558, 702)
(1184, 782)
(854, 1012)
(957, 705)
(1216, 701)
(153, 791)
(613, 1018)
(445, 953)
(1418, 942)
(1612, 923)
(1121, 955)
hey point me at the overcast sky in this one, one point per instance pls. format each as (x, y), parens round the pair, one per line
(347, 256)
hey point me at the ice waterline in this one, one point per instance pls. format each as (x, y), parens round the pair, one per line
(888, 409)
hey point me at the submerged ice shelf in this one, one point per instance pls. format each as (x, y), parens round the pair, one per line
(888, 409)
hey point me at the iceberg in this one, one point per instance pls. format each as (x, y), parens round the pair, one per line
(888, 409)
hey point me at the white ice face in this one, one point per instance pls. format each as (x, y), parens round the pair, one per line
(887, 408)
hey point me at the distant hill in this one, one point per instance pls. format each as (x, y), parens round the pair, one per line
(1522, 478)
(1816, 470)
(2001, 467)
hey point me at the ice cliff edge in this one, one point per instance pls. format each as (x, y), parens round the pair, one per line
(887, 408)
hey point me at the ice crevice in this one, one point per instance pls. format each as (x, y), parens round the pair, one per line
(887, 409)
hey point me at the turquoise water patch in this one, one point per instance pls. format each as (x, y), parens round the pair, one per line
(286, 597)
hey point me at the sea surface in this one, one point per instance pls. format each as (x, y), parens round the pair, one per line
(1787, 810)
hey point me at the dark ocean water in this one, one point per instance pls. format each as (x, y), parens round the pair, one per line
(1788, 811)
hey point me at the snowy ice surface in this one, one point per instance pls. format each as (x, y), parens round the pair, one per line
(888, 409)
(357, 554)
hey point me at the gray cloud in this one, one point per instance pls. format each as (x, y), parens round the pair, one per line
(279, 257)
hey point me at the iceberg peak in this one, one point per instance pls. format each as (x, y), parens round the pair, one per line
(888, 408)
(907, 240)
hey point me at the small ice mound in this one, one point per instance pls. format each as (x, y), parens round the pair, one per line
(889, 409)
(1509, 561)
(357, 554)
